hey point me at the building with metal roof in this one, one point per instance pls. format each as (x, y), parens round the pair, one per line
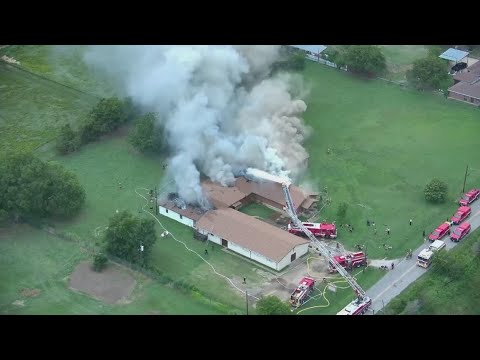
(454, 55)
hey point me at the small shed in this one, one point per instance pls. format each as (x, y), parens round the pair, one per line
(311, 51)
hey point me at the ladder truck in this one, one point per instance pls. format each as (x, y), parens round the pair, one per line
(358, 306)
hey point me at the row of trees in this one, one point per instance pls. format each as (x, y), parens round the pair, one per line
(108, 115)
(427, 73)
(105, 117)
(32, 188)
(290, 61)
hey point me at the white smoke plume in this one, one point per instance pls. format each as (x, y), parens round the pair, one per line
(220, 112)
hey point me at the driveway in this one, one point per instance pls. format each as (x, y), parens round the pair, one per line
(406, 272)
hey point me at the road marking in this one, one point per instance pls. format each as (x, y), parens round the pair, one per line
(414, 266)
(476, 214)
(394, 284)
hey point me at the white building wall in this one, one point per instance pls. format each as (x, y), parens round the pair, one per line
(174, 216)
(213, 238)
(300, 250)
(252, 255)
(239, 249)
(263, 260)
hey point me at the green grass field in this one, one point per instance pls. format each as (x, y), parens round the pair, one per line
(400, 59)
(259, 210)
(33, 109)
(435, 294)
(100, 167)
(61, 63)
(32, 259)
(386, 144)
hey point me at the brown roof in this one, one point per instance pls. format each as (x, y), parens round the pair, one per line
(222, 196)
(468, 89)
(309, 202)
(189, 212)
(469, 74)
(465, 76)
(270, 190)
(248, 232)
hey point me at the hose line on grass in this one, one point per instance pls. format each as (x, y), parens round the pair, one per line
(324, 291)
(163, 227)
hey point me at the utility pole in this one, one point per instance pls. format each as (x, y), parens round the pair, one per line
(246, 299)
(156, 201)
(465, 180)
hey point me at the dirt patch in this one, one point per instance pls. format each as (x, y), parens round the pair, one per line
(113, 285)
(282, 286)
(30, 292)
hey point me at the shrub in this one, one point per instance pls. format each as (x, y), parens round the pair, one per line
(436, 191)
(99, 262)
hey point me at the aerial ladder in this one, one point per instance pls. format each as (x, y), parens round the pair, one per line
(362, 297)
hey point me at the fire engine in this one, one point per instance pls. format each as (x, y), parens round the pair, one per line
(361, 304)
(349, 261)
(356, 307)
(302, 292)
(469, 197)
(323, 230)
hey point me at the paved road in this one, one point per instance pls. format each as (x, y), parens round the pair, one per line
(406, 271)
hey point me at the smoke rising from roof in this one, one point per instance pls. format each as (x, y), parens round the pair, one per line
(220, 112)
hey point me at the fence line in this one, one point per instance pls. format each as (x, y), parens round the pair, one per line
(52, 81)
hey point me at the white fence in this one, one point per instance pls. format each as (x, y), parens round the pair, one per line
(325, 62)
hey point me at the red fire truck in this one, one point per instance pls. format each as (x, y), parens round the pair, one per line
(323, 230)
(350, 261)
(301, 293)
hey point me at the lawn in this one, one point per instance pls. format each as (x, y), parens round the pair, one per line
(386, 144)
(399, 58)
(333, 302)
(32, 259)
(33, 109)
(61, 63)
(100, 167)
(258, 210)
(435, 294)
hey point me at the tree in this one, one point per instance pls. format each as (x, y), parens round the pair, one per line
(436, 191)
(130, 238)
(3, 218)
(105, 117)
(67, 141)
(342, 210)
(272, 305)
(64, 195)
(146, 136)
(33, 188)
(292, 61)
(365, 59)
(99, 262)
(429, 73)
